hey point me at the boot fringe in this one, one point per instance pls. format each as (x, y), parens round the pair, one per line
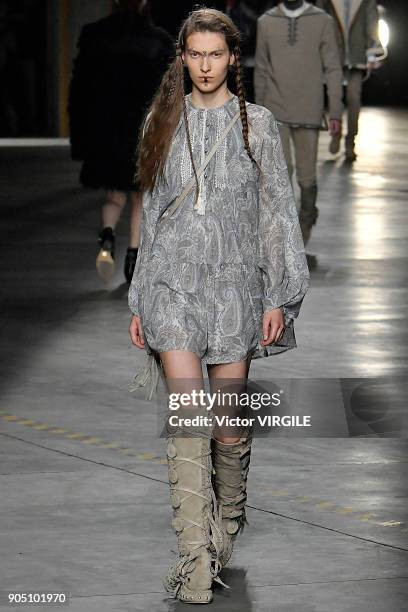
(216, 547)
(212, 540)
(178, 572)
(232, 508)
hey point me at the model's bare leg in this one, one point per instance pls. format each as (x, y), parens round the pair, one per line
(191, 492)
(222, 374)
(231, 457)
(182, 370)
(181, 364)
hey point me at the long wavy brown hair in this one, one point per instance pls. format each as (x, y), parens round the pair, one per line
(163, 115)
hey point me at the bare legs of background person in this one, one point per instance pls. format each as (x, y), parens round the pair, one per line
(111, 213)
(136, 198)
(135, 218)
(112, 209)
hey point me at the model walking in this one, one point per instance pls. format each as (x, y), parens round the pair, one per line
(220, 276)
(296, 50)
(360, 49)
(107, 103)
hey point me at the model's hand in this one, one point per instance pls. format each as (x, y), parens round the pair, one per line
(273, 326)
(334, 126)
(136, 332)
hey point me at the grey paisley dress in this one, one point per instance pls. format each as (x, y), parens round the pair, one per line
(204, 278)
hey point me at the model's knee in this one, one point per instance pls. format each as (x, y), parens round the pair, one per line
(116, 203)
(115, 198)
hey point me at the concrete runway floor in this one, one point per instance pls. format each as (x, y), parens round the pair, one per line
(84, 495)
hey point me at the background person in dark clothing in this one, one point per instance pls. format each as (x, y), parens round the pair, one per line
(120, 63)
(245, 14)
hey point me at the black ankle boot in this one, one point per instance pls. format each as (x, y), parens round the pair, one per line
(105, 264)
(107, 240)
(130, 263)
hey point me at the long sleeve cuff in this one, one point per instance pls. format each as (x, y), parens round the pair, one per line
(289, 296)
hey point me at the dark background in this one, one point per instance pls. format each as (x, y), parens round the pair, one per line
(24, 65)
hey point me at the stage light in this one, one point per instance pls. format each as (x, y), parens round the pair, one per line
(383, 32)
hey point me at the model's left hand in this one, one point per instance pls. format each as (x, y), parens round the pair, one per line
(334, 126)
(273, 326)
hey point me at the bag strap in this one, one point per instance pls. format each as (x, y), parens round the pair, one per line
(176, 203)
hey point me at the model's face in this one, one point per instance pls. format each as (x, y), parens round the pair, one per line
(207, 58)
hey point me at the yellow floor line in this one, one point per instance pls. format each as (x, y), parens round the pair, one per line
(81, 437)
(109, 445)
(76, 436)
(344, 510)
(367, 516)
(325, 504)
(92, 440)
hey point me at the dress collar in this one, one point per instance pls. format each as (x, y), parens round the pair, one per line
(229, 103)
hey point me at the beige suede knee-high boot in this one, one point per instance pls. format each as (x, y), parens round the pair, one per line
(199, 535)
(231, 465)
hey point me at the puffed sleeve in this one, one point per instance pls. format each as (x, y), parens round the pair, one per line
(281, 252)
(150, 215)
(153, 202)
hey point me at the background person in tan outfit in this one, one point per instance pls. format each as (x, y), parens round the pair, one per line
(296, 50)
(357, 36)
